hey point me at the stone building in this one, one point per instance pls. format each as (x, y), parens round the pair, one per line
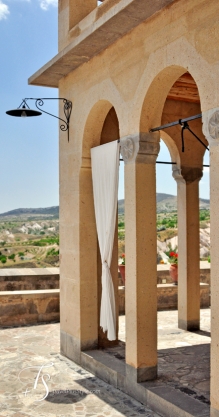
(129, 66)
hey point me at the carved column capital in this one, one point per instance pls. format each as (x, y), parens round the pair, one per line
(187, 174)
(141, 147)
(210, 121)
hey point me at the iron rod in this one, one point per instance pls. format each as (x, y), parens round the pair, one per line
(171, 163)
(168, 163)
(178, 122)
(160, 162)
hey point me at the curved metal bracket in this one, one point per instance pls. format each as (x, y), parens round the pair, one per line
(67, 108)
(184, 126)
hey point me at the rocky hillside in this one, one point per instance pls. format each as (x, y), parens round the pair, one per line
(48, 212)
(165, 203)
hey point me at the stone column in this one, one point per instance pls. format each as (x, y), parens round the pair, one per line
(78, 257)
(139, 153)
(210, 121)
(188, 248)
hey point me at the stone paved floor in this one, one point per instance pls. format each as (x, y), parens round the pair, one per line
(183, 357)
(72, 391)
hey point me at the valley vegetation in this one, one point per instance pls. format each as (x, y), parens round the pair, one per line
(29, 238)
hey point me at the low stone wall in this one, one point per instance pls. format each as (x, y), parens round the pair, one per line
(29, 279)
(30, 296)
(31, 307)
(167, 297)
(28, 307)
(163, 276)
(48, 278)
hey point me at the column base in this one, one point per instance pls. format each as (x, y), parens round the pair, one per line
(189, 325)
(141, 374)
(70, 347)
(214, 412)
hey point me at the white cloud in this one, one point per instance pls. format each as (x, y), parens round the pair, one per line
(44, 4)
(4, 11)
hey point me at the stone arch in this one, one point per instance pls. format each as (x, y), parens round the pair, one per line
(159, 109)
(156, 103)
(96, 126)
(153, 104)
(163, 68)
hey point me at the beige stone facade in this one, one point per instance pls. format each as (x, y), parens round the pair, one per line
(124, 65)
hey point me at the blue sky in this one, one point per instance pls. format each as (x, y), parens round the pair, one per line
(29, 147)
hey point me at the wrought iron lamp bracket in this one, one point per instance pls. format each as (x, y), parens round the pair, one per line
(67, 108)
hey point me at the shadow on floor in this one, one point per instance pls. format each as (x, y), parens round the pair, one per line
(202, 332)
(65, 396)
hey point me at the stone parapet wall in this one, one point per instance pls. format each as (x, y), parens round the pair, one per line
(34, 295)
(48, 278)
(167, 297)
(163, 273)
(163, 276)
(29, 279)
(19, 308)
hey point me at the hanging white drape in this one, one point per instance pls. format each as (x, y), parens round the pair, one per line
(105, 176)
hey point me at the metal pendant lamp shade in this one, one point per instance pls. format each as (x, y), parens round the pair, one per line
(23, 111)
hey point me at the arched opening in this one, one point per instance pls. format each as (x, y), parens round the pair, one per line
(204, 188)
(172, 96)
(166, 193)
(102, 126)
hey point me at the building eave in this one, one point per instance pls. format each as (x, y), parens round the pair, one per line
(97, 34)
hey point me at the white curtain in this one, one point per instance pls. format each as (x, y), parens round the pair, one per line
(105, 176)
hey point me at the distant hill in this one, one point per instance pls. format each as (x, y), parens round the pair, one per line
(165, 203)
(48, 211)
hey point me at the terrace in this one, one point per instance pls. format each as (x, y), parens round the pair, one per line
(32, 339)
(183, 374)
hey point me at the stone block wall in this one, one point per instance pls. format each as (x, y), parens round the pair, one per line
(28, 307)
(29, 279)
(30, 296)
(167, 297)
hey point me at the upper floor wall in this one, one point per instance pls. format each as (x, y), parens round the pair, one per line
(103, 26)
(134, 53)
(71, 12)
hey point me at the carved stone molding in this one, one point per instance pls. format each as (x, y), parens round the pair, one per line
(210, 120)
(213, 125)
(142, 147)
(187, 174)
(176, 173)
(191, 174)
(129, 148)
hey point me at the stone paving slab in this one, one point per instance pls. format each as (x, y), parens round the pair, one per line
(172, 403)
(72, 390)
